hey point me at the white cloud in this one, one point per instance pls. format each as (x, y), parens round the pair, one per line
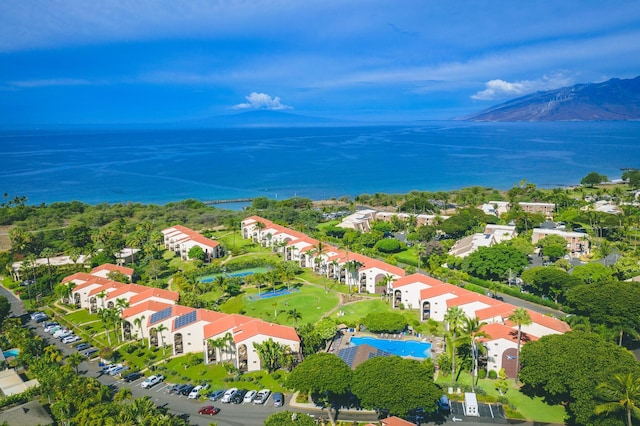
(262, 101)
(50, 82)
(501, 89)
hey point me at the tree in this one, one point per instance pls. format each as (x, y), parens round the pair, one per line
(519, 317)
(74, 360)
(621, 394)
(324, 374)
(472, 330)
(376, 383)
(454, 318)
(593, 179)
(592, 272)
(385, 322)
(549, 281)
(272, 354)
(566, 369)
(495, 262)
(614, 305)
(295, 315)
(353, 267)
(196, 253)
(138, 323)
(287, 418)
(632, 177)
(160, 329)
(5, 308)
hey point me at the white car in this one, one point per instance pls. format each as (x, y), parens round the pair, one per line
(226, 398)
(49, 325)
(262, 396)
(249, 396)
(108, 368)
(119, 370)
(195, 392)
(63, 332)
(53, 329)
(70, 339)
(151, 381)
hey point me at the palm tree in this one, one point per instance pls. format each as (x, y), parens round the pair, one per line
(48, 253)
(353, 266)
(138, 323)
(472, 330)
(622, 393)
(455, 320)
(122, 395)
(294, 315)
(105, 317)
(520, 317)
(159, 329)
(121, 305)
(260, 226)
(74, 360)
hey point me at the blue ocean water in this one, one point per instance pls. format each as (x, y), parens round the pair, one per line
(160, 166)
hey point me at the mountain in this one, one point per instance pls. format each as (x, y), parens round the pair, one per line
(614, 99)
(263, 118)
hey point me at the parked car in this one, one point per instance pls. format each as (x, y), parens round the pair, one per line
(226, 398)
(34, 315)
(187, 390)
(90, 352)
(195, 392)
(119, 370)
(262, 396)
(61, 334)
(278, 399)
(53, 329)
(216, 394)
(151, 381)
(49, 324)
(444, 405)
(132, 377)
(249, 396)
(107, 368)
(238, 397)
(177, 390)
(39, 317)
(70, 339)
(209, 410)
(83, 346)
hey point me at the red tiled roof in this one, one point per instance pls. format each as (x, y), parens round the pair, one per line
(396, 421)
(149, 292)
(501, 310)
(375, 263)
(501, 331)
(192, 235)
(417, 278)
(259, 327)
(472, 297)
(224, 324)
(113, 268)
(439, 290)
(149, 305)
(111, 285)
(545, 321)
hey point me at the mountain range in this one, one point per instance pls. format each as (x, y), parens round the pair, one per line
(613, 99)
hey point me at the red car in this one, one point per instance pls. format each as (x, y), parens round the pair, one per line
(209, 409)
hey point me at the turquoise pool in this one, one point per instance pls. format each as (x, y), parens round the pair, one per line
(240, 273)
(412, 348)
(11, 352)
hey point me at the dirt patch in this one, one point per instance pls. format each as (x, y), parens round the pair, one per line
(5, 241)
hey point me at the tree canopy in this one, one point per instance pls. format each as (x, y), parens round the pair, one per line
(495, 262)
(566, 368)
(395, 384)
(593, 178)
(385, 322)
(549, 281)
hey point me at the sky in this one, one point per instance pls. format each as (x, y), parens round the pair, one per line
(164, 61)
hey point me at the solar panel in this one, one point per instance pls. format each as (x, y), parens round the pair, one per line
(186, 319)
(159, 316)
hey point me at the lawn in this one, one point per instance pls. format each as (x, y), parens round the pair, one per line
(530, 408)
(81, 316)
(309, 300)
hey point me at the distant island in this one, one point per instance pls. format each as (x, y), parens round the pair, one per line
(614, 99)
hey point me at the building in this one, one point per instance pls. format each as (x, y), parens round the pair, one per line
(493, 234)
(154, 314)
(577, 242)
(181, 239)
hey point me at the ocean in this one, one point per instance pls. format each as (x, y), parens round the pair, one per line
(161, 166)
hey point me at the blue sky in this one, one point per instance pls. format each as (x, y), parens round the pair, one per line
(130, 61)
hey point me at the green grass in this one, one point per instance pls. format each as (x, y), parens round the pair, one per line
(311, 301)
(354, 312)
(530, 408)
(81, 316)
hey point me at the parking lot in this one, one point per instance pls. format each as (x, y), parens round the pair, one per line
(489, 413)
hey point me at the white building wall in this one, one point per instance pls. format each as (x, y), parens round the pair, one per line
(439, 305)
(495, 349)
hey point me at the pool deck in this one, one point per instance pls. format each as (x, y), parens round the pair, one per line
(343, 340)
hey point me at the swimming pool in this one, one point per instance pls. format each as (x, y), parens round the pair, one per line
(240, 273)
(11, 352)
(412, 348)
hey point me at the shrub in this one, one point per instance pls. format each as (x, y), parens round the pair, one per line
(482, 374)
(493, 374)
(388, 245)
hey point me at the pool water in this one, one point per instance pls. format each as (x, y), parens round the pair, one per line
(11, 352)
(240, 273)
(412, 348)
